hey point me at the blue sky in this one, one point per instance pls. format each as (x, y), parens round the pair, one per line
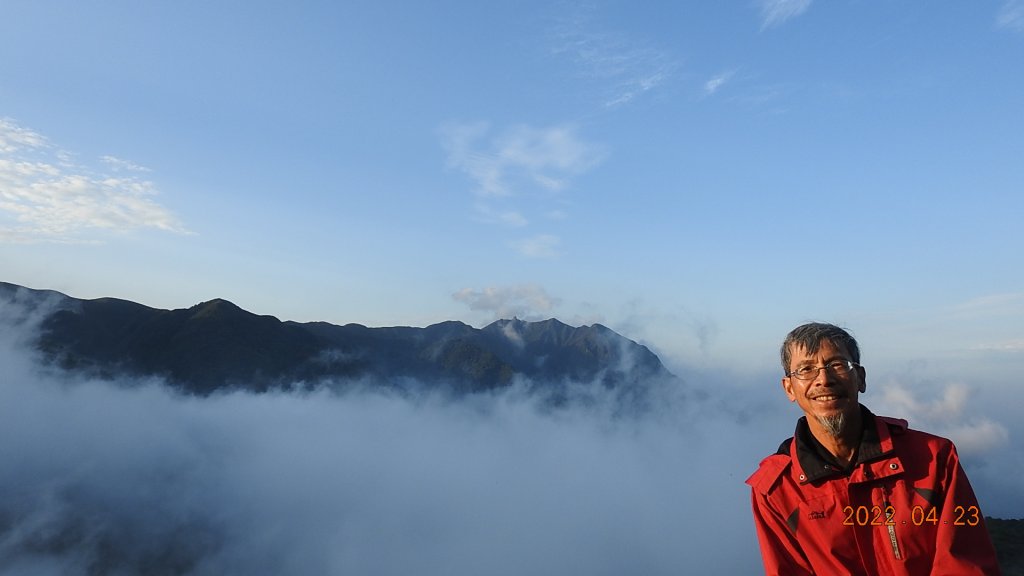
(699, 176)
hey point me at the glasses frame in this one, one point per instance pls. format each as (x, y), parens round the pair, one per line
(831, 367)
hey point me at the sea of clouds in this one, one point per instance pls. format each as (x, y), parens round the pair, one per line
(130, 477)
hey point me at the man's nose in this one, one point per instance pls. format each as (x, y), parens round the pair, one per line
(824, 376)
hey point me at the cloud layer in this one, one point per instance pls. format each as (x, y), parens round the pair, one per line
(126, 477)
(944, 415)
(45, 197)
(987, 442)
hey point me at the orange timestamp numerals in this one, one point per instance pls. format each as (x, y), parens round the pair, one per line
(919, 515)
(864, 516)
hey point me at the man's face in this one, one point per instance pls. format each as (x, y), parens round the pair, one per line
(827, 394)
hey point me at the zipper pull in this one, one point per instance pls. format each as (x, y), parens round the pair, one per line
(890, 512)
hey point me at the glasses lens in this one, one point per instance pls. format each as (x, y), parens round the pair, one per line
(841, 368)
(806, 373)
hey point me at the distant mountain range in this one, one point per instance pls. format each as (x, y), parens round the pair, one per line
(216, 345)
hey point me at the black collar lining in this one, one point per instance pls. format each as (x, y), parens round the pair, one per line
(817, 462)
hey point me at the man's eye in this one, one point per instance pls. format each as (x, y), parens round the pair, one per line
(805, 370)
(837, 365)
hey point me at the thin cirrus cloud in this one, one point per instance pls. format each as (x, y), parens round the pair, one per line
(120, 164)
(1002, 304)
(46, 197)
(999, 314)
(1011, 15)
(625, 67)
(715, 83)
(511, 218)
(776, 12)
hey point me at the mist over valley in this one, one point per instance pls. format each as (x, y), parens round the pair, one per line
(464, 457)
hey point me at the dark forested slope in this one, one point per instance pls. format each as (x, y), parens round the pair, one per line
(216, 344)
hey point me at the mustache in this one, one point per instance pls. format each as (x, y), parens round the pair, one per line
(836, 394)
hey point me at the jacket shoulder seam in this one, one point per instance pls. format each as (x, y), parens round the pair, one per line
(897, 425)
(767, 475)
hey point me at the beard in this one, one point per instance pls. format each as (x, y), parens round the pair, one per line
(834, 425)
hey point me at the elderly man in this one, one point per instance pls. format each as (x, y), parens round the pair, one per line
(855, 493)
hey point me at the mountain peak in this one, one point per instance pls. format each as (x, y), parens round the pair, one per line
(215, 308)
(519, 323)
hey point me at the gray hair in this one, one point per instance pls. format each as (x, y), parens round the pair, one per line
(810, 336)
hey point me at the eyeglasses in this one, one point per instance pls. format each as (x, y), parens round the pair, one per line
(835, 367)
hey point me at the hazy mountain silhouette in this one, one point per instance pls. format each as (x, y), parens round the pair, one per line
(216, 344)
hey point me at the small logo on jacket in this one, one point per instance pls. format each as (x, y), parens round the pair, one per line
(816, 515)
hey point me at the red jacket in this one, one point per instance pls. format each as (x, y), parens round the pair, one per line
(906, 508)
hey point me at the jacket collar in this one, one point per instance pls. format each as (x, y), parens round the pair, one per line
(817, 462)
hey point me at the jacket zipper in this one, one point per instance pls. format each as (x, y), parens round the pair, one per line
(891, 525)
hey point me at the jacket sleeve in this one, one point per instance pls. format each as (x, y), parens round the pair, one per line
(780, 551)
(960, 547)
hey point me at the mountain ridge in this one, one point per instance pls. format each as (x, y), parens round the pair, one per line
(216, 345)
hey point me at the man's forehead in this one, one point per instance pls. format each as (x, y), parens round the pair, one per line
(825, 349)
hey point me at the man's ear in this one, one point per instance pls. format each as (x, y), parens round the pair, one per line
(787, 385)
(863, 381)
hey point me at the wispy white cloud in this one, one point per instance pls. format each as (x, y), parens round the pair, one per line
(14, 137)
(520, 159)
(627, 68)
(527, 301)
(519, 171)
(539, 246)
(462, 143)
(770, 98)
(46, 197)
(119, 164)
(775, 12)
(488, 213)
(717, 81)
(633, 88)
(513, 218)
(1011, 15)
